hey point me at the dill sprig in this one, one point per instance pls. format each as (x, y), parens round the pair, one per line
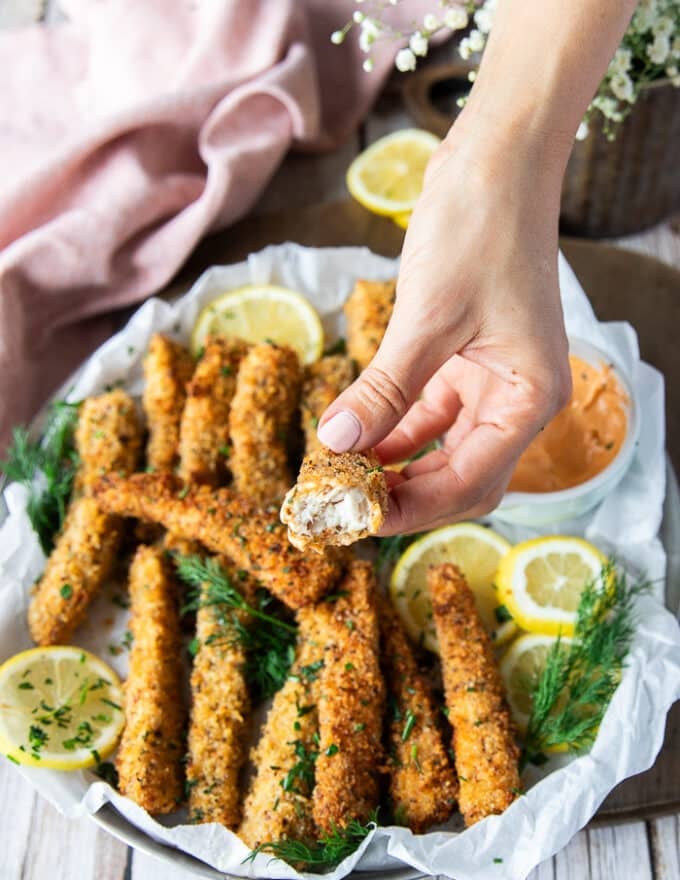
(269, 646)
(323, 854)
(579, 679)
(47, 468)
(390, 549)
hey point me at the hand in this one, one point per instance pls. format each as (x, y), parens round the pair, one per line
(476, 350)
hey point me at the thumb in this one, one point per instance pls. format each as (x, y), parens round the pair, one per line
(367, 411)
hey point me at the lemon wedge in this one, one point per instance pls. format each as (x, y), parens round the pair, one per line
(387, 178)
(60, 708)
(477, 551)
(540, 582)
(261, 312)
(402, 219)
(521, 667)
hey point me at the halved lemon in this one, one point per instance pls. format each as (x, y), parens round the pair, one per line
(477, 551)
(521, 668)
(262, 312)
(387, 178)
(541, 581)
(402, 219)
(60, 708)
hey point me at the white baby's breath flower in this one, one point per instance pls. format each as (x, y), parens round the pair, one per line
(464, 49)
(621, 61)
(484, 19)
(430, 22)
(622, 87)
(675, 48)
(472, 75)
(673, 75)
(418, 44)
(582, 131)
(659, 50)
(370, 31)
(476, 40)
(456, 19)
(368, 65)
(405, 60)
(663, 26)
(645, 16)
(358, 16)
(338, 37)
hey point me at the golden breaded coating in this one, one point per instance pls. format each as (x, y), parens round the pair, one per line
(225, 523)
(338, 499)
(368, 311)
(278, 805)
(108, 438)
(423, 785)
(82, 558)
(204, 432)
(351, 704)
(149, 760)
(323, 382)
(267, 393)
(217, 724)
(484, 745)
(167, 369)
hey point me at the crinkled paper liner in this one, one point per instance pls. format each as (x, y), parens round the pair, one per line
(564, 794)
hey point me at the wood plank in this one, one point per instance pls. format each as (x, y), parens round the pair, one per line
(544, 871)
(573, 862)
(17, 13)
(662, 241)
(16, 821)
(620, 851)
(665, 845)
(146, 867)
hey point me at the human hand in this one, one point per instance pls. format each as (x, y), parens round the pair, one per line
(476, 350)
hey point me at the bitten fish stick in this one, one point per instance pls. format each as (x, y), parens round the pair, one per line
(219, 707)
(228, 524)
(108, 438)
(351, 704)
(204, 430)
(368, 311)
(323, 382)
(278, 805)
(82, 559)
(167, 369)
(423, 784)
(486, 753)
(149, 759)
(267, 393)
(338, 498)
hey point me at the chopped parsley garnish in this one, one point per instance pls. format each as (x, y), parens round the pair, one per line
(66, 591)
(408, 726)
(502, 614)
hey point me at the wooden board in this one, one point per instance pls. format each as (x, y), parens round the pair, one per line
(621, 285)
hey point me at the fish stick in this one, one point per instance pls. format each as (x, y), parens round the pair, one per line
(267, 393)
(217, 724)
(368, 311)
(204, 430)
(278, 805)
(83, 557)
(167, 369)
(338, 499)
(423, 785)
(226, 524)
(108, 437)
(149, 760)
(351, 704)
(323, 382)
(486, 753)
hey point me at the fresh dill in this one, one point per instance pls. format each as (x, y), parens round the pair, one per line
(579, 678)
(47, 468)
(323, 854)
(269, 646)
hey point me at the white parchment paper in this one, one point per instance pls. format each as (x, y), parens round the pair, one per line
(566, 792)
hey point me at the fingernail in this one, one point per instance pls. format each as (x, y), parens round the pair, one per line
(341, 432)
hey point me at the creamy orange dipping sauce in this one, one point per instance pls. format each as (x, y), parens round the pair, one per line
(582, 439)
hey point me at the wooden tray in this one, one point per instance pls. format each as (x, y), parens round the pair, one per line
(621, 286)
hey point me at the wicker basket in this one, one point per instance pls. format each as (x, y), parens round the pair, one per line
(610, 188)
(621, 186)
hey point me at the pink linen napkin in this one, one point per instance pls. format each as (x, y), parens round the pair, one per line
(130, 131)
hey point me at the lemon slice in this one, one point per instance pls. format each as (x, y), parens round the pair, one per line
(541, 581)
(262, 312)
(521, 667)
(387, 178)
(477, 551)
(402, 219)
(60, 707)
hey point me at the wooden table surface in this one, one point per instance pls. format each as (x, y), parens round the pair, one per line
(37, 843)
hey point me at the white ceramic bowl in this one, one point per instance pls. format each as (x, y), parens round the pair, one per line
(544, 508)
